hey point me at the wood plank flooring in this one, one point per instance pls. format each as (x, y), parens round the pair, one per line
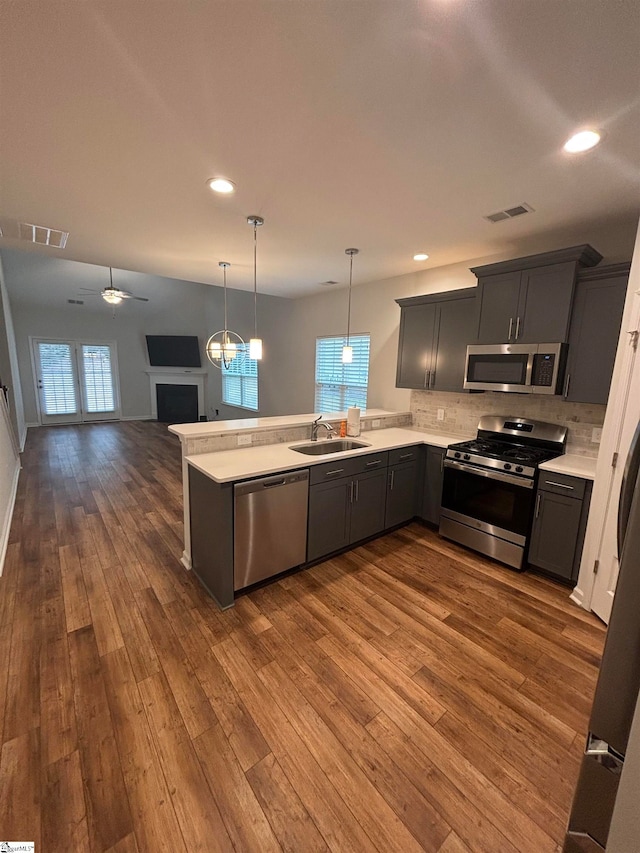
(407, 696)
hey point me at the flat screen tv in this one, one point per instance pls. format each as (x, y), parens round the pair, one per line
(173, 351)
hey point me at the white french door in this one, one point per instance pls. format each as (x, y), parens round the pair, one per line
(76, 381)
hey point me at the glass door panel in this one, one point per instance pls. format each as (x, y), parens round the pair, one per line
(57, 382)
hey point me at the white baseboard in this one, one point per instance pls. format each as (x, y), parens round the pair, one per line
(577, 596)
(28, 426)
(136, 418)
(23, 437)
(186, 561)
(8, 517)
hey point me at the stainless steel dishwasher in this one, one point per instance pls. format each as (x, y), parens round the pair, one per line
(270, 526)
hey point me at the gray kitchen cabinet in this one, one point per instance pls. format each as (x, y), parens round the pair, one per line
(560, 519)
(432, 345)
(402, 487)
(529, 300)
(367, 508)
(417, 330)
(329, 511)
(346, 510)
(594, 333)
(432, 484)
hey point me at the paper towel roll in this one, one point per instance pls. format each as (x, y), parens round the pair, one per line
(353, 421)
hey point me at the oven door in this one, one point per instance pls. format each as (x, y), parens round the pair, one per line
(487, 510)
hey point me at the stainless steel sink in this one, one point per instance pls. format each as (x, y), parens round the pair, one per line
(328, 445)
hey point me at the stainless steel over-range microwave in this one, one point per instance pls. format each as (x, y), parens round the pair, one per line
(522, 368)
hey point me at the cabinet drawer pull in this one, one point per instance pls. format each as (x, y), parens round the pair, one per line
(432, 379)
(517, 328)
(374, 462)
(510, 327)
(391, 480)
(351, 492)
(538, 498)
(333, 473)
(427, 378)
(406, 455)
(566, 385)
(559, 485)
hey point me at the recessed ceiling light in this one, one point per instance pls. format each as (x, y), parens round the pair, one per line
(582, 141)
(421, 256)
(221, 185)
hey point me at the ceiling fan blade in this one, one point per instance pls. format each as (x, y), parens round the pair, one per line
(88, 290)
(126, 295)
(140, 298)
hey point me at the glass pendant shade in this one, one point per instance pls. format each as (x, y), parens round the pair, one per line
(347, 355)
(255, 349)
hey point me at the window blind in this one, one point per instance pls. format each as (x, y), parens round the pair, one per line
(240, 381)
(339, 385)
(98, 378)
(58, 380)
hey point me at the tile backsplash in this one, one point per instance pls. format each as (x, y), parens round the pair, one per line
(462, 412)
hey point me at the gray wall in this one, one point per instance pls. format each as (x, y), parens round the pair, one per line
(9, 370)
(39, 287)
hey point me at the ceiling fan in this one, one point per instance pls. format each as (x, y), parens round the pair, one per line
(112, 295)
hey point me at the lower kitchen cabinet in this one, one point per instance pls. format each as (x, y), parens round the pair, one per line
(560, 518)
(329, 511)
(402, 490)
(432, 485)
(345, 511)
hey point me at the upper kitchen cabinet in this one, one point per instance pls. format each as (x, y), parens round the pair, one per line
(528, 300)
(594, 333)
(434, 333)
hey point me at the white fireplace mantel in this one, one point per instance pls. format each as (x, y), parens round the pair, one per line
(176, 376)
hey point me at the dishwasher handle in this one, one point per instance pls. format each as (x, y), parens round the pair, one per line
(273, 482)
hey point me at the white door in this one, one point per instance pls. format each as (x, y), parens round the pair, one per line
(76, 381)
(624, 413)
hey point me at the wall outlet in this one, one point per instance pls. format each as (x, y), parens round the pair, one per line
(244, 439)
(440, 414)
(596, 435)
(375, 423)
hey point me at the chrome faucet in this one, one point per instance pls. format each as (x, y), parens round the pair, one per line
(318, 423)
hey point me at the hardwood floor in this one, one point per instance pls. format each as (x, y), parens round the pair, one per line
(406, 696)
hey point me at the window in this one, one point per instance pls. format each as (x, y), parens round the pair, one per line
(240, 381)
(339, 385)
(98, 378)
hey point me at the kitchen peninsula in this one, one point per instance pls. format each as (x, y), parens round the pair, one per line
(217, 455)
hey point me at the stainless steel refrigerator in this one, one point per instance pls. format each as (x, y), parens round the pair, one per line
(618, 684)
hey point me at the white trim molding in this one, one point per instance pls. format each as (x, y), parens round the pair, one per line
(167, 376)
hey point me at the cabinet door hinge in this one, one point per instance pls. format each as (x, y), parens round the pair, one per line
(614, 461)
(596, 566)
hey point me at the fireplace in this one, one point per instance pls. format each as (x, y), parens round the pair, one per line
(177, 404)
(177, 396)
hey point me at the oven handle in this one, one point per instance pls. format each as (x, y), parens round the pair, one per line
(490, 474)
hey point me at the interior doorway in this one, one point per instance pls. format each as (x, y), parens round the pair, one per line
(76, 381)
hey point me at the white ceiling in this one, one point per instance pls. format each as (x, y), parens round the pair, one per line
(391, 125)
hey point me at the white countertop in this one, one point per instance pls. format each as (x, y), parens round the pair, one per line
(228, 465)
(572, 464)
(209, 428)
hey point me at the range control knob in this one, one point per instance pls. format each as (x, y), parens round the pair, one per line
(457, 455)
(519, 469)
(507, 466)
(466, 456)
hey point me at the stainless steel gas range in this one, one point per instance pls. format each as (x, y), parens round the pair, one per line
(489, 485)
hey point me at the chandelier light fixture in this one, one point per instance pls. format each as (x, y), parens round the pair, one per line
(255, 343)
(347, 350)
(224, 346)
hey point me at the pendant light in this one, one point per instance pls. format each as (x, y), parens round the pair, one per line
(224, 346)
(255, 343)
(347, 350)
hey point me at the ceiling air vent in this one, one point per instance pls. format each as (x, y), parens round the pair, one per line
(509, 213)
(327, 283)
(75, 301)
(42, 235)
